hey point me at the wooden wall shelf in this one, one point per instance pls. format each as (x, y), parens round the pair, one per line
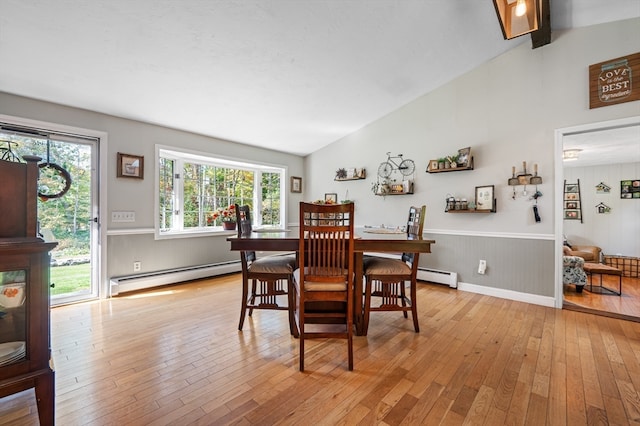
(454, 169)
(494, 210)
(394, 193)
(353, 178)
(352, 173)
(470, 211)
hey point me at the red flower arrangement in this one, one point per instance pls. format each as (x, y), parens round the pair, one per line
(227, 214)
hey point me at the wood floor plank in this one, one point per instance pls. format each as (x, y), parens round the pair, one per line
(477, 360)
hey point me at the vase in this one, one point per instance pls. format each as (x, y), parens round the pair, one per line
(228, 226)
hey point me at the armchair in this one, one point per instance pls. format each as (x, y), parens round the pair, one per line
(588, 253)
(573, 272)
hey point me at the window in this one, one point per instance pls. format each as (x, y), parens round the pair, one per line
(191, 187)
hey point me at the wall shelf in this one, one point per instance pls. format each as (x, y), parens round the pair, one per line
(470, 211)
(493, 210)
(453, 169)
(405, 188)
(395, 193)
(352, 173)
(353, 178)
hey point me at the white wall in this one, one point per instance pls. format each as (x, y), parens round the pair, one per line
(616, 232)
(507, 111)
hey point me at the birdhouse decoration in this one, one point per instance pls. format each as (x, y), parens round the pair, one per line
(603, 208)
(603, 188)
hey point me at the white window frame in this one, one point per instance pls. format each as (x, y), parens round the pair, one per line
(181, 155)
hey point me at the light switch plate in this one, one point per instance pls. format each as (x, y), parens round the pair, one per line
(123, 216)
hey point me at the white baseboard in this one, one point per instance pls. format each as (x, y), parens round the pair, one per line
(437, 276)
(153, 279)
(508, 294)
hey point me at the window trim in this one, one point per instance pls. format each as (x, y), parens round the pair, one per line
(211, 159)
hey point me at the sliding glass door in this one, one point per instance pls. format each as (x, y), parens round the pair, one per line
(67, 206)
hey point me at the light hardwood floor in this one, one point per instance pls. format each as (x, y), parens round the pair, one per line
(626, 306)
(173, 356)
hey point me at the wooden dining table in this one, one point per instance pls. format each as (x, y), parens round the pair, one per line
(367, 240)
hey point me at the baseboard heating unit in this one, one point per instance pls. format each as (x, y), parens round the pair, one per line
(168, 276)
(440, 277)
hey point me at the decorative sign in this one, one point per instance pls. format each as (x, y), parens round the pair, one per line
(611, 82)
(603, 188)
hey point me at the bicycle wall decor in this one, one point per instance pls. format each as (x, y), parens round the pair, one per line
(387, 184)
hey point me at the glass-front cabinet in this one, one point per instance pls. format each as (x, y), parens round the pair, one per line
(25, 345)
(13, 327)
(25, 350)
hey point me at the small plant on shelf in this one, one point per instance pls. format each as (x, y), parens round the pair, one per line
(381, 187)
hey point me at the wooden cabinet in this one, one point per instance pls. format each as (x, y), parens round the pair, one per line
(25, 354)
(24, 325)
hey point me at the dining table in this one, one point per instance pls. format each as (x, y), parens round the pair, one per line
(367, 240)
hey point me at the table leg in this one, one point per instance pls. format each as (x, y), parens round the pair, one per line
(358, 311)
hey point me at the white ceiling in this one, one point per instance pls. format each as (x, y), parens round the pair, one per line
(289, 75)
(607, 146)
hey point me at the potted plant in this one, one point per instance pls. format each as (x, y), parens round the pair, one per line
(441, 162)
(227, 216)
(453, 161)
(381, 187)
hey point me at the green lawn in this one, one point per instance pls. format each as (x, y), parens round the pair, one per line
(69, 279)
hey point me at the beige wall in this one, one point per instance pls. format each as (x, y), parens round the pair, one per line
(129, 242)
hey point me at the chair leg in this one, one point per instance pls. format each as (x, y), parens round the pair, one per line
(403, 297)
(367, 305)
(291, 301)
(301, 337)
(243, 308)
(252, 301)
(350, 344)
(414, 307)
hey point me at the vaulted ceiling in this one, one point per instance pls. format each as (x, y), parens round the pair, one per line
(289, 75)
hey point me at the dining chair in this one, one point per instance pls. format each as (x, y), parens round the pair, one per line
(324, 281)
(385, 277)
(271, 277)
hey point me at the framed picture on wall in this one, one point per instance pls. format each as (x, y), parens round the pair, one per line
(572, 214)
(571, 187)
(296, 184)
(571, 205)
(485, 197)
(130, 166)
(331, 198)
(464, 157)
(630, 189)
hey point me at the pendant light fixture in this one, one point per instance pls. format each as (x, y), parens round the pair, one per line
(518, 17)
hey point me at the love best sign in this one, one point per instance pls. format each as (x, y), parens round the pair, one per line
(612, 82)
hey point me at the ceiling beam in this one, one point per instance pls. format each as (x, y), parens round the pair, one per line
(543, 35)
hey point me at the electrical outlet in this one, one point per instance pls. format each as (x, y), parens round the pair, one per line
(137, 266)
(123, 216)
(482, 267)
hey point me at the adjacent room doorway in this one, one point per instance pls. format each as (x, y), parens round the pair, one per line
(603, 148)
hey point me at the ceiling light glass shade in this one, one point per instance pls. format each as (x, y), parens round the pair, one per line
(570, 154)
(511, 23)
